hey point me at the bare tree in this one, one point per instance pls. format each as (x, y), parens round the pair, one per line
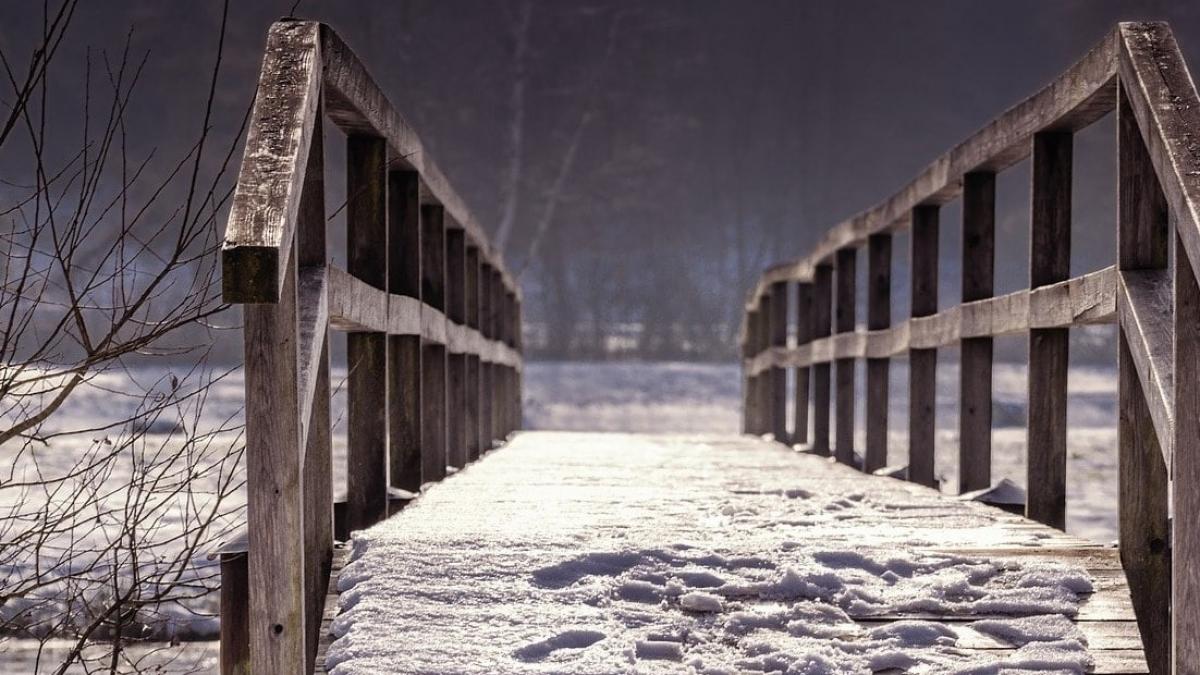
(122, 459)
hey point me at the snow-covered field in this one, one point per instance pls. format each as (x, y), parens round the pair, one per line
(642, 397)
(582, 553)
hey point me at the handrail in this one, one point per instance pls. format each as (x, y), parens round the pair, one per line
(433, 321)
(1137, 71)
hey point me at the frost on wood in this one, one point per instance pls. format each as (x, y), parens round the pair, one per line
(585, 553)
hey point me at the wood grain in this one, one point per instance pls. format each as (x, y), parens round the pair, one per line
(922, 363)
(975, 353)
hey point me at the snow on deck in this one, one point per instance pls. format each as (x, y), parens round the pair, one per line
(613, 553)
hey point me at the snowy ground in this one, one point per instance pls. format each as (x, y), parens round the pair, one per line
(659, 397)
(602, 553)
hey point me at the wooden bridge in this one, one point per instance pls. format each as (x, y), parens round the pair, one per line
(435, 379)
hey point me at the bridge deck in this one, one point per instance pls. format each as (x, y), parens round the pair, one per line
(595, 553)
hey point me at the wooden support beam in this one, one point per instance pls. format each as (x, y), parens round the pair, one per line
(499, 413)
(456, 362)
(487, 431)
(1049, 262)
(404, 351)
(433, 354)
(879, 317)
(1143, 232)
(366, 353)
(922, 363)
(471, 411)
(823, 316)
(777, 377)
(847, 277)
(975, 353)
(235, 614)
(804, 334)
(1185, 473)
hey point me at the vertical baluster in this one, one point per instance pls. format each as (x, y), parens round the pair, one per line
(975, 366)
(823, 314)
(487, 370)
(474, 442)
(510, 327)
(498, 411)
(1185, 492)
(845, 318)
(1049, 262)
(456, 362)
(777, 376)
(879, 317)
(366, 353)
(518, 374)
(404, 351)
(804, 326)
(762, 386)
(749, 391)
(922, 363)
(433, 355)
(1142, 240)
(318, 453)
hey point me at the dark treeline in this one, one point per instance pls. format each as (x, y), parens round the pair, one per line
(641, 161)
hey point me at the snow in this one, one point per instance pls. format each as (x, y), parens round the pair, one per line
(582, 553)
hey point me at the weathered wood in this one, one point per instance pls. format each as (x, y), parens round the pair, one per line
(847, 275)
(262, 214)
(274, 494)
(1145, 309)
(486, 428)
(235, 624)
(778, 375)
(975, 353)
(879, 317)
(1185, 471)
(456, 361)
(318, 506)
(471, 411)
(1049, 262)
(822, 318)
(804, 333)
(922, 363)
(404, 233)
(366, 353)
(433, 412)
(433, 257)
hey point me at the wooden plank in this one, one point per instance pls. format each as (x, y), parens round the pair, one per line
(433, 412)
(804, 333)
(266, 200)
(1082, 94)
(922, 363)
(1185, 471)
(847, 276)
(474, 441)
(234, 613)
(318, 506)
(405, 409)
(822, 317)
(975, 353)
(486, 428)
(366, 353)
(456, 361)
(1156, 179)
(777, 378)
(879, 317)
(1049, 262)
(274, 487)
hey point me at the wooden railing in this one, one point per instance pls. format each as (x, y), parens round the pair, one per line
(433, 348)
(1151, 293)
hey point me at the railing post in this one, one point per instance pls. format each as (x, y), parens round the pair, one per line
(487, 369)
(312, 254)
(510, 328)
(1145, 529)
(518, 373)
(804, 327)
(456, 363)
(404, 351)
(847, 277)
(922, 363)
(471, 420)
(749, 392)
(762, 381)
(879, 317)
(235, 614)
(975, 353)
(777, 376)
(823, 316)
(497, 390)
(1049, 262)
(433, 354)
(366, 353)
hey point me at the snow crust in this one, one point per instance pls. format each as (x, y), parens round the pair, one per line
(603, 553)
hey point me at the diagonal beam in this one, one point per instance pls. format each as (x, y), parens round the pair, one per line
(1144, 304)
